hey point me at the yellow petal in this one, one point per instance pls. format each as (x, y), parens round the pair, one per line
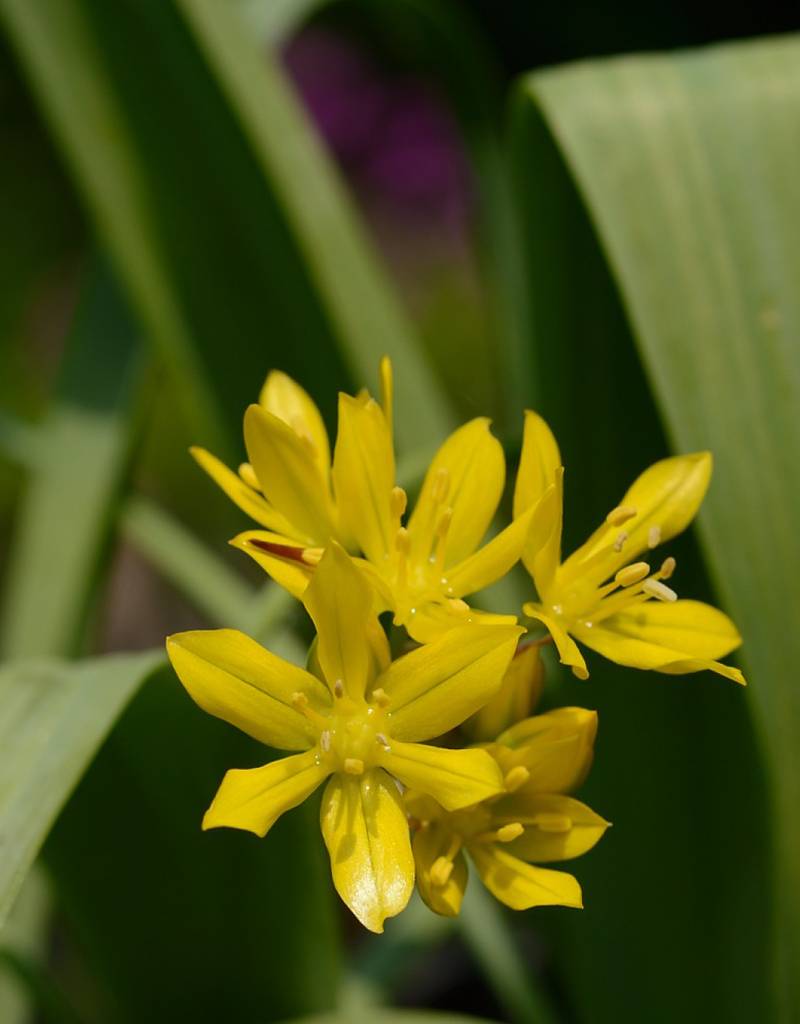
(666, 496)
(556, 748)
(363, 476)
(285, 399)
(431, 620)
(366, 832)
(520, 885)
(519, 693)
(491, 561)
(248, 500)
(568, 653)
(434, 688)
(556, 827)
(429, 845)
(340, 602)
(281, 557)
(542, 552)
(455, 778)
(467, 474)
(289, 474)
(682, 636)
(255, 798)
(538, 462)
(236, 679)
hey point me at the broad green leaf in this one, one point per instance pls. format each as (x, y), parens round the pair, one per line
(686, 164)
(24, 935)
(53, 717)
(80, 458)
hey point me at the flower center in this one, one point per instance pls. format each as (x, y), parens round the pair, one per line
(354, 734)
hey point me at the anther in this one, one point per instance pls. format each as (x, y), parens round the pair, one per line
(354, 766)
(632, 574)
(516, 777)
(619, 543)
(440, 871)
(654, 536)
(383, 739)
(621, 514)
(300, 702)
(441, 484)
(667, 567)
(248, 475)
(338, 688)
(659, 591)
(458, 605)
(402, 540)
(509, 832)
(311, 556)
(442, 526)
(398, 502)
(549, 822)
(380, 697)
(325, 741)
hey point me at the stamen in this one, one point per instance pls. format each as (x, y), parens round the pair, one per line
(667, 568)
(441, 538)
(621, 514)
(312, 556)
(383, 739)
(248, 475)
(387, 390)
(325, 740)
(338, 688)
(509, 832)
(654, 537)
(398, 502)
(441, 485)
(619, 543)
(402, 540)
(548, 822)
(458, 605)
(515, 778)
(659, 591)
(440, 871)
(380, 697)
(301, 703)
(632, 574)
(354, 766)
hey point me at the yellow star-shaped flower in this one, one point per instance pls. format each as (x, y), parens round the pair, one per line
(604, 595)
(420, 569)
(509, 835)
(358, 723)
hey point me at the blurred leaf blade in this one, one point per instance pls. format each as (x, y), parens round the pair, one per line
(686, 165)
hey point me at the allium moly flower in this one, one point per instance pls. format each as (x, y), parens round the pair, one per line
(506, 837)
(518, 695)
(604, 594)
(358, 724)
(421, 570)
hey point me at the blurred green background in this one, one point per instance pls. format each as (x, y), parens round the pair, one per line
(196, 191)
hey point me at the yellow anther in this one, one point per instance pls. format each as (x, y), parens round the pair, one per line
(402, 540)
(338, 688)
(667, 568)
(380, 697)
(619, 543)
(299, 700)
(442, 526)
(325, 741)
(441, 485)
(312, 556)
(517, 777)
(440, 871)
(659, 591)
(509, 832)
(632, 574)
(383, 739)
(248, 475)
(301, 703)
(398, 502)
(654, 536)
(354, 766)
(548, 822)
(621, 514)
(458, 605)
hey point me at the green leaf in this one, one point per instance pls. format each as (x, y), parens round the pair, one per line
(53, 717)
(78, 467)
(24, 935)
(686, 165)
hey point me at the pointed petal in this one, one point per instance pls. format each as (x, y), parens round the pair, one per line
(472, 465)
(493, 560)
(557, 748)
(366, 832)
(364, 475)
(281, 557)
(432, 620)
(429, 844)
(340, 602)
(667, 496)
(542, 552)
(249, 501)
(538, 462)
(285, 399)
(255, 798)
(520, 885)
(568, 653)
(434, 688)
(290, 478)
(556, 827)
(456, 778)
(682, 636)
(236, 679)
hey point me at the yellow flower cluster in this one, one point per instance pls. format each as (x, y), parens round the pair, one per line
(336, 535)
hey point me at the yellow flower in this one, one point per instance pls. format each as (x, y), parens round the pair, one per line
(421, 570)
(603, 595)
(533, 823)
(359, 723)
